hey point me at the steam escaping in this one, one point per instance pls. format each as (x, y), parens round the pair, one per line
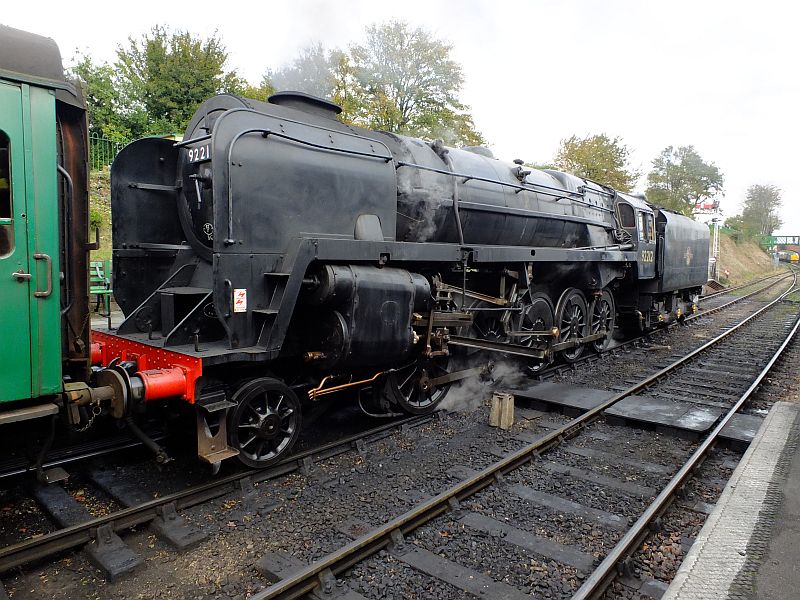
(474, 392)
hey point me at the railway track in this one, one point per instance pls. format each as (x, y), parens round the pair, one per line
(734, 288)
(74, 527)
(503, 505)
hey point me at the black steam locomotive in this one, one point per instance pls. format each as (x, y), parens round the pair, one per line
(277, 252)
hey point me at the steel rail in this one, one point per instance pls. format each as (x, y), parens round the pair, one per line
(307, 579)
(602, 576)
(736, 300)
(740, 286)
(83, 533)
(66, 456)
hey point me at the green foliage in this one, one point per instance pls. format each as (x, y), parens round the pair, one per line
(401, 80)
(105, 105)
(170, 74)
(95, 219)
(409, 84)
(261, 92)
(156, 84)
(599, 158)
(681, 178)
(760, 215)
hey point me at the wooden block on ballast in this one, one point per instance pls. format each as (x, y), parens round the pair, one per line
(501, 413)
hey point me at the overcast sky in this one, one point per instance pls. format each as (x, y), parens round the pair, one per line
(722, 76)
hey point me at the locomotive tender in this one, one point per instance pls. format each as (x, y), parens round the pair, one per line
(276, 253)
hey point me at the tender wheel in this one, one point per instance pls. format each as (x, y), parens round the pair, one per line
(410, 388)
(266, 423)
(571, 320)
(536, 315)
(603, 317)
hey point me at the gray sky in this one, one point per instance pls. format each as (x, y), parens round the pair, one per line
(719, 75)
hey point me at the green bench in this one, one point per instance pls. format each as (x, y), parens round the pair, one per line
(100, 284)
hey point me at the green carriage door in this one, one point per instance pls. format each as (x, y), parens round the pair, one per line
(15, 284)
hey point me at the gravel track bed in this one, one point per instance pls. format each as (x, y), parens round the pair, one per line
(497, 559)
(621, 472)
(583, 492)
(660, 556)
(294, 514)
(564, 528)
(387, 578)
(639, 444)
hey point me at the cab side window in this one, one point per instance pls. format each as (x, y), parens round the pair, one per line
(6, 212)
(650, 226)
(626, 217)
(647, 227)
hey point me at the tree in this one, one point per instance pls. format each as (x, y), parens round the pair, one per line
(599, 158)
(681, 178)
(261, 92)
(110, 115)
(409, 84)
(170, 74)
(760, 215)
(347, 91)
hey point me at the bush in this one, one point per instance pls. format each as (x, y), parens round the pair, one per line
(95, 219)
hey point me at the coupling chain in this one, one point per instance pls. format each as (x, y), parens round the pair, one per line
(96, 410)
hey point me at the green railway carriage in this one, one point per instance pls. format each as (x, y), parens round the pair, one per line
(44, 333)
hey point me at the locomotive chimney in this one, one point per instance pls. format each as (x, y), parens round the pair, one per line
(307, 103)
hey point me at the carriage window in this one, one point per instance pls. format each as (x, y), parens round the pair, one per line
(6, 222)
(626, 215)
(642, 231)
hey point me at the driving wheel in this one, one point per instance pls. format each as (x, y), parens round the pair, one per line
(571, 320)
(603, 317)
(411, 389)
(536, 315)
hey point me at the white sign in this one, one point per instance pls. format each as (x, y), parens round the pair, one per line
(240, 300)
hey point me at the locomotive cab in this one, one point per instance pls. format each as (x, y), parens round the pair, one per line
(638, 220)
